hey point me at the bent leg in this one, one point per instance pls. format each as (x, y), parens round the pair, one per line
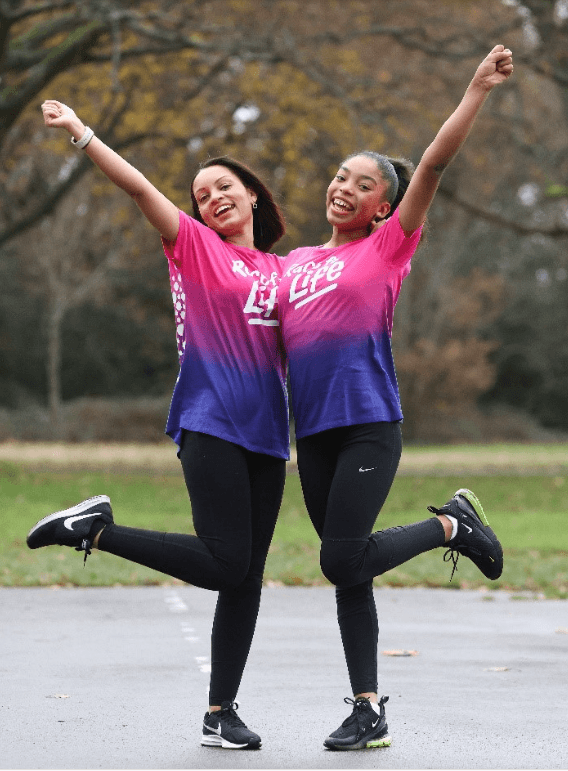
(366, 465)
(218, 557)
(346, 476)
(356, 612)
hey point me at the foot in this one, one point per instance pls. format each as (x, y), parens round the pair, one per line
(76, 526)
(365, 728)
(474, 538)
(225, 729)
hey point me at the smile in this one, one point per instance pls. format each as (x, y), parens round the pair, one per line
(341, 204)
(222, 209)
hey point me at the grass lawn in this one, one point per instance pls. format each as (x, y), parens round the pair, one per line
(528, 512)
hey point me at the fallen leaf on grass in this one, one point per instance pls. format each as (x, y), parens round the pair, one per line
(400, 653)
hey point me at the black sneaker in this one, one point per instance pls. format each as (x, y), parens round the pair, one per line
(225, 729)
(76, 526)
(363, 729)
(474, 538)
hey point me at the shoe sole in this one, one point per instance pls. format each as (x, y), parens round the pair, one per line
(474, 501)
(384, 741)
(218, 741)
(80, 507)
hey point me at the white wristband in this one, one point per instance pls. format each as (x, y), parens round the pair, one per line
(80, 144)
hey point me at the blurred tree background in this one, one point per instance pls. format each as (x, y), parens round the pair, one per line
(87, 345)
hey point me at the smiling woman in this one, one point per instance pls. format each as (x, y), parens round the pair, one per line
(228, 413)
(364, 191)
(222, 189)
(336, 309)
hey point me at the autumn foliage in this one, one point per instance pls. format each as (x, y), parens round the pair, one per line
(289, 87)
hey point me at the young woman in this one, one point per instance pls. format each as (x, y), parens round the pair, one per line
(336, 308)
(228, 413)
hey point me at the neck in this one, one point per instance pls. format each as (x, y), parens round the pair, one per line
(242, 237)
(340, 237)
(241, 240)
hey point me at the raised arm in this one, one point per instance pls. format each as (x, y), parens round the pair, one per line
(158, 210)
(493, 70)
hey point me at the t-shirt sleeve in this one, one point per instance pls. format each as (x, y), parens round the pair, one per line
(193, 239)
(394, 246)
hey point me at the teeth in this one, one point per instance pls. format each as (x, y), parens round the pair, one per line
(222, 209)
(341, 204)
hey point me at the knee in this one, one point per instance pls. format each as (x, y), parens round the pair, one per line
(341, 561)
(233, 571)
(248, 585)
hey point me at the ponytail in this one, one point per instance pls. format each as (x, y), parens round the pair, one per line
(404, 169)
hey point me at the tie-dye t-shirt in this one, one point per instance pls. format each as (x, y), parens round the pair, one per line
(336, 309)
(231, 382)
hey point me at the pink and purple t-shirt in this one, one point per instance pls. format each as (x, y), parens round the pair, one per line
(336, 310)
(231, 382)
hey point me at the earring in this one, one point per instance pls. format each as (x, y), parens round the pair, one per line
(254, 205)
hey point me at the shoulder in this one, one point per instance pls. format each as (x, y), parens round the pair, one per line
(390, 233)
(193, 240)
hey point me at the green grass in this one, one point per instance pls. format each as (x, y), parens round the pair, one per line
(527, 512)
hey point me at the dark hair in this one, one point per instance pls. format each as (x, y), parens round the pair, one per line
(396, 172)
(268, 221)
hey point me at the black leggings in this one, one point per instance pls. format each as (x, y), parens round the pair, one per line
(346, 475)
(235, 497)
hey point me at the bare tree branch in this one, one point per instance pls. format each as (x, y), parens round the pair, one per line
(518, 227)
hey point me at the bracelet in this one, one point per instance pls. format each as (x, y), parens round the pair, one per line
(80, 144)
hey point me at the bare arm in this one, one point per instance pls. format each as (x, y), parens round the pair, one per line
(158, 210)
(493, 70)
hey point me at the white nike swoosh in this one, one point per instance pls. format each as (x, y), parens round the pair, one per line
(70, 520)
(468, 527)
(361, 469)
(210, 728)
(374, 725)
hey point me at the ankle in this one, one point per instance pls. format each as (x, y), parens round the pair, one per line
(373, 698)
(96, 538)
(448, 526)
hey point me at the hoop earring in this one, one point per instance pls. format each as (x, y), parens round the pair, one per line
(255, 205)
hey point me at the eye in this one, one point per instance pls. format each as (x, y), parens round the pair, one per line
(226, 186)
(365, 187)
(340, 177)
(202, 199)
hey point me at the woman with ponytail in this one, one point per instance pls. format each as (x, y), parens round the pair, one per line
(336, 309)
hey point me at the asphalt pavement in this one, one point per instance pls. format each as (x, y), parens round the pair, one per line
(116, 678)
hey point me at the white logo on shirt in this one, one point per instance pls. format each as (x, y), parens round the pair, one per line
(313, 280)
(262, 298)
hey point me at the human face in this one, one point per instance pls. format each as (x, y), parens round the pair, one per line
(356, 196)
(225, 204)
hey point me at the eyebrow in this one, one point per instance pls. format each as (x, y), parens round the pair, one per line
(361, 176)
(199, 189)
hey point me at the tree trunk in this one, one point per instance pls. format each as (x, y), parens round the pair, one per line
(54, 328)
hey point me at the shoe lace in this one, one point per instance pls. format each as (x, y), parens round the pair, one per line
(358, 703)
(86, 547)
(231, 716)
(453, 556)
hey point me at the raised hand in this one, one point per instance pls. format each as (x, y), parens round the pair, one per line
(58, 115)
(494, 69)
